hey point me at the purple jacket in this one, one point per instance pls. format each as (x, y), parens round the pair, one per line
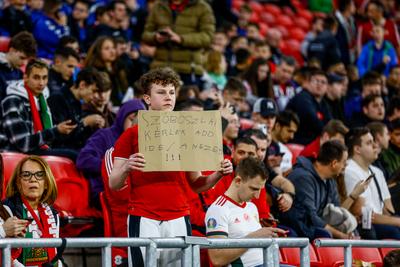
(91, 155)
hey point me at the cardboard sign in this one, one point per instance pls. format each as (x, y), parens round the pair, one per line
(181, 140)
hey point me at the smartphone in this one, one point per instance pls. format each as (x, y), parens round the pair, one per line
(30, 220)
(73, 121)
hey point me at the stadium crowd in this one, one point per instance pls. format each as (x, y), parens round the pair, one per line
(309, 94)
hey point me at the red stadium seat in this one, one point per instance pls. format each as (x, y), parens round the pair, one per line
(284, 21)
(291, 256)
(330, 256)
(106, 215)
(268, 18)
(283, 30)
(62, 167)
(302, 23)
(385, 251)
(295, 149)
(256, 7)
(4, 42)
(10, 161)
(297, 33)
(371, 255)
(305, 14)
(272, 9)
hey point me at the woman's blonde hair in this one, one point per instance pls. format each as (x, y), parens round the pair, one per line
(49, 194)
(213, 63)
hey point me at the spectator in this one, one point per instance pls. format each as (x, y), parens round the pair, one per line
(15, 18)
(377, 55)
(167, 201)
(315, 189)
(234, 93)
(371, 84)
(231, 131)
(317, 26)
(325, 47)
(220, 218)
(333, 130)
(393, 81)
(137, 17)
(100, 103)
(274, 40)
(381, 136)
(242, 62)
(311, 108)
(244, 19)
(102, 56)
(391, 156)
(32, 199)
(49, 28)
(70, 42)
(258, 81)
(393, 108)
(392, 258)
(363, 151)
(335, 95)
(21, 48)
(91, 155)
(216, 68)
(68, 106)
(61, 72)
(374, 10)
(111, 25)
(236, 43)
(77, 22)
(220, 41)
(262, 50)
(283, 85)
(274, 157)
(26, 120)
(373, 109)
(264, 114)
(346, 32)
(283, 132)
(180, 45)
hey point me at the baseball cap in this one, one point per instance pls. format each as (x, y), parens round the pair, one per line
(335, 78)
(274, 150)
(266, 107)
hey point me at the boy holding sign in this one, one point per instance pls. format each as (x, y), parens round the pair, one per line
(158, 204)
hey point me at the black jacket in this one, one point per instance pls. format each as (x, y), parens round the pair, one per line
(313, 116)
(312, 196)
(325, 48)
(64, 107)
(56, 82)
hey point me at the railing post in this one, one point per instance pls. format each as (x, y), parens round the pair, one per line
(305, 256)
(348, 259)
(6, 259)
(186, 259)
(196, 255)
(269, 256)
(151, 255)
(106, 257)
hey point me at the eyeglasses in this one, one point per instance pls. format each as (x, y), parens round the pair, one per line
(27, 175)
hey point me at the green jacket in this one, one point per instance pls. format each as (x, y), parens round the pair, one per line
(195, 25)
(391, 159)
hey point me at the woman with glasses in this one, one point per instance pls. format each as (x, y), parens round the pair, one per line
(30, 193)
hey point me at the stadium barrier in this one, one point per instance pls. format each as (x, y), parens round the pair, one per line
(190, 247)
(349, 244)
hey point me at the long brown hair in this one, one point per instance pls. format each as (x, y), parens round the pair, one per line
(50, 193)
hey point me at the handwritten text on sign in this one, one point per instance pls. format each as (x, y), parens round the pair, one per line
(181, 140)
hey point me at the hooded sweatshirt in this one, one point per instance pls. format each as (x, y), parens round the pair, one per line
(17, 123)
(91, 155)
(7, 75)
(312, 196)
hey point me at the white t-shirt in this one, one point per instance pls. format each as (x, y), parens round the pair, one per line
(286, 163)
(354, 173)
(227, 217)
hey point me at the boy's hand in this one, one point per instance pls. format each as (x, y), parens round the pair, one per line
(136, 162)
(226, 167)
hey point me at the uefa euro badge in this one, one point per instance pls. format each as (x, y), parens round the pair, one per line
(211, 223)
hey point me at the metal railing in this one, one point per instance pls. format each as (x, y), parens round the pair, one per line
(190, 247)
(348, 244)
